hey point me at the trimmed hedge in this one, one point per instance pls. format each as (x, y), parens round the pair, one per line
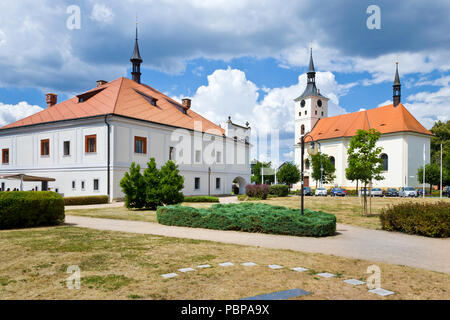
(280, 190)
(260, 191)
(201, 199)
(85, 200)
(426, 219)
(26, 209)
(250, 217)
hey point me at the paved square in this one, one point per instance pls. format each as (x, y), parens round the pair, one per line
(186, 269)
(281, 295)
(299, 269)
(275, 266)
(169, 275)
(202, 266)
(249, 264)
(226, 264)
(326, 275)
(354, 282)
(381, 292)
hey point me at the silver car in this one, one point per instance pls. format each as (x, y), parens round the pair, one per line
(407, 192)
(377, 192)
(321, 192)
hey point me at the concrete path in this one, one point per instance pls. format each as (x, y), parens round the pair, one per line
(230, 199)
(97, 206)
(351, 241)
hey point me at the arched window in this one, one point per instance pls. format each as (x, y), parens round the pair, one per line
(385, 159)
(333, 161)
(302, 129)
(307, 164)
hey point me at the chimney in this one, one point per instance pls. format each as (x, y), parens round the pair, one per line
(101, 82)
(186, 103)
(51, 99)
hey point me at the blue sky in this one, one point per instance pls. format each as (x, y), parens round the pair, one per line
(243, 58)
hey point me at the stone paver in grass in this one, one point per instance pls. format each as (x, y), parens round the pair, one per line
(281, 295)
(186, 269)
(202, 266)
(354, 282)
(326, 275)
(169, 275)
(249, 264)
(381, 292)
(226, 264)
(275, 266)
(299, 269)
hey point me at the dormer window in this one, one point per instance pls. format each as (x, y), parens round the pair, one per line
(87, 95)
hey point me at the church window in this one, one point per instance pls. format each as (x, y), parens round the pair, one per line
(385, 159)
(299, 114)
(307, 164)
(316, 112)
(302, 103)
(306, 112)
(302, 129)
(333, 162)
(322, 113)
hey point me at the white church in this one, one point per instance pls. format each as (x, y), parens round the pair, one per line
(84, 145)
(403, 138)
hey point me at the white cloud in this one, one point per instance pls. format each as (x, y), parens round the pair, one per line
(10, 113)
(102, 13)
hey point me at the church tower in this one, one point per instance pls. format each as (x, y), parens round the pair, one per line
(396, 87)
(136, 61)
(310, 106)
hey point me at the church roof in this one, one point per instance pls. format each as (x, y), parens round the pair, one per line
(122, 97)
(386, 119)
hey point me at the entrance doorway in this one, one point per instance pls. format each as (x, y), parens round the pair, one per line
(306, 181)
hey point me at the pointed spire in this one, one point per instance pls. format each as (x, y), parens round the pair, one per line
(311, 62)
(136, 59)
(396, 87)
(397, 77)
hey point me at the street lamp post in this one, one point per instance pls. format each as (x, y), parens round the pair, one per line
(312, 150)
(209, 181)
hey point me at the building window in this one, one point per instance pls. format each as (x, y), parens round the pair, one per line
(171, 153)
(5, 156)
(299, 114)
(197, 183)
(219, 157)
(385, 159)
(66, 148)
(307, 164)
(95, 184)
(306, 112)
(3, 186)
(322, 113)
(82, 185)
(73, 185)
(302, 129)
(198, 156)
(140, 145)
(45, 147)
(333, 162)
(316, 112)
(217, 183)
(90, 143)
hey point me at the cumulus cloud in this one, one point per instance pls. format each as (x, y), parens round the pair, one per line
(102, 13)
(10, 113)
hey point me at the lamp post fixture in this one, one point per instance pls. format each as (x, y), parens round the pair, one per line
(312, 150)
(209, 181)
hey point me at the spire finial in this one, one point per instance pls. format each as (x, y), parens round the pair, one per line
(396, 86)
(136, 59)
(311, 62)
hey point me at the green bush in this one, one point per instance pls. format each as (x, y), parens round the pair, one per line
(426, 219)
(250, 217)
(154, 187)
(25, 209)
(259, 191)
(79, 201)
(280, 190)
(200, 199)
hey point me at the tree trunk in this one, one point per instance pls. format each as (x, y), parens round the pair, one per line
(356, 186)
(365, 199)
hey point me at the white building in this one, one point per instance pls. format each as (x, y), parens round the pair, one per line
(88, 142)
(403, 138)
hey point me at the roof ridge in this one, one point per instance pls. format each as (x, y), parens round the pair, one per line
(117, 95)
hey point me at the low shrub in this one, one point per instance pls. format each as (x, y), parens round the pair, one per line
(426, 219)
(259, 191)
(280, 190)
(200, 199)
(250, 217)
(85, 200)
(26, 209)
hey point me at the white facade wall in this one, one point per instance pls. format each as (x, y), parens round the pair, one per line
(227, 159)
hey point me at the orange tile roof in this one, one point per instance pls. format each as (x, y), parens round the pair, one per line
(123, 97)
(386, 119)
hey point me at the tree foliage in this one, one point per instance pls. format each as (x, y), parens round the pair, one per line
(322, 160)
(441, 131)
(154, 187)
(364, 161)
(256, 173)
(288, 174)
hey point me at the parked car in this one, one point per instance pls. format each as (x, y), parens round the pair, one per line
(345, 191)
(446, 191)
(361, 191)
(307, 191)
(321, 192)
(419, 192)
(376, 192)
(407, 192)
(391, 192)
(337, 192)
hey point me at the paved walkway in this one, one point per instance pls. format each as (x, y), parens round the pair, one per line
(351, 241)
